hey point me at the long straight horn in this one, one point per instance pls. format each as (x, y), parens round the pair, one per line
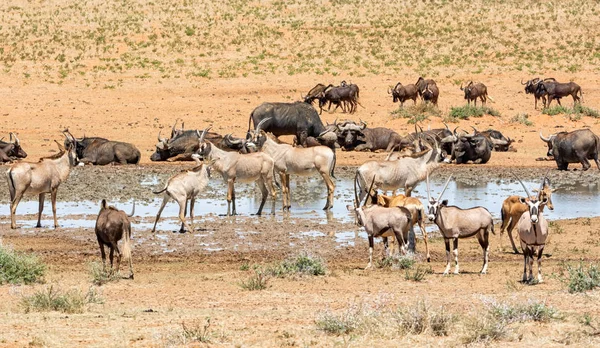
(355, 191)
(369, 192)
(445, 187)
(132, 210)
(544, 180)
(428, 189)
(174, 125)
(10, 137)
(522, 184)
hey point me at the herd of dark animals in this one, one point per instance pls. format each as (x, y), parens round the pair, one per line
(422, 151)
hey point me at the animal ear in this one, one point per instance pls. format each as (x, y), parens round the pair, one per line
(545, 200)
(350, 208)
(523, 200)
(103, 204)
(444, 203)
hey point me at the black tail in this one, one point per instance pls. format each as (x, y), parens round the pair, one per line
(161, 191)
(333, 165)
(250, 120)
(11, 186)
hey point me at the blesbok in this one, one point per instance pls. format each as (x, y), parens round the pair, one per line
(382, 222)
(512, 209)
(297, 161)
(455, 223)
(112, 225)
(40, 178)
(417, 213)
(405, 172)
(236, 167)
(184, 187)
(533, 232)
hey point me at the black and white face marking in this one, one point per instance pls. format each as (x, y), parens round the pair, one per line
(432, 208)
(534, 208)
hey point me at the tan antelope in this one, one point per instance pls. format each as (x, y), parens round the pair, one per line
(40, 178)
(533, 232)
(382, 222)
(512, 209)
(298, 161)
(416, 209)
(236, 167)
(112, 225)
(455, 223)
(184, 187)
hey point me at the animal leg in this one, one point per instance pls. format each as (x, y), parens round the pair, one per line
(386, 250)
(525, 253)
(13, 210)
(111, 255)
(284, 190)
(330, 189)
(192, 201)
(230, 197)
(114, 246)
(455, 252)
(53, 197)
(447, 243)
(370, 264)
(511, 226)
(103, 253)
(182, 209)
(162, 206)
(531, 254)
(288, 192)
(485, 245)
(265, 193)
(539, 262)
(425, 238)
(42, 196)
(408, 190)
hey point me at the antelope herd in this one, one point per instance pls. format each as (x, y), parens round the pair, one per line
(259, 156)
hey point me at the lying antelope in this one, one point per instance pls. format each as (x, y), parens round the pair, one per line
(512, 209)
(233, 166)
(382, 222)
(184, 187)
(417, 213)
(112, 225)
(298, 161)
(455, 223)
(40, 178)
(533, 232)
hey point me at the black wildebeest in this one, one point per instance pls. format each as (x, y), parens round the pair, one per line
(531, 88)
(298, 118)
(360, 138)
(475, 148)
(101, 151)
(345, 95)
(401, 93)
(474, 91)
(498, 140)
(573, 147)
(556, 90)
(428, 90)
(11, 149)
(112, 225)
(314, 93)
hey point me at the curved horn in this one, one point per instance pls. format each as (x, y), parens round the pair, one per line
(257, 130)
(522, 184)
(523, 83)
(10, 137)
(160, 140)
(230, 139)
(544, 180)
(369, 192)
(544, 139)
(445, 187)
(17, 141)
(499, 142)
(445, 124)
(201, 136)
(363, 124)
(174, 125)
(132, 210)
(475, 131)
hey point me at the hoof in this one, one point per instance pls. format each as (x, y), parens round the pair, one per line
(428, 259)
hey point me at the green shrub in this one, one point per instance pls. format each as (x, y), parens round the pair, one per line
(258, 281)
(397, 262)
(467, 111)
(531, 311)
(579, 278)
(417, 275)
(522, 119)
(196, 332)
(20, 268)
(416, 113)
(51, 299)
(100, 276)
(574, 113)
(303, 264)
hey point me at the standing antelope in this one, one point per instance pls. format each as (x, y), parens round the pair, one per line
(512, 209)
(184, 187)
(455, 223)
(113, 224)
(40, 178)
(382, 222)
(533, 232)
(298, 161)
(233, 166)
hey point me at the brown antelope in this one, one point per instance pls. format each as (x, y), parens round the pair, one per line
(512, 209)
(533, 232)
(417, 213)
(40, 178)
(455, 223)
(112, 225)
(382, 222)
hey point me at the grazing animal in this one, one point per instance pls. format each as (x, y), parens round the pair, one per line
(556, 90)
(298, 161)
(455, 223)
(402, 93)
(531, 88)
(417, 213)
(40, 178)
(382, 222)
(112, 225)
(573, 147)
(100, 151)
(533, 232)
(184, 187)
(356, 137)
(474, 91)
(315, 92)
(428, 90)
(512, 209)
(236, 167)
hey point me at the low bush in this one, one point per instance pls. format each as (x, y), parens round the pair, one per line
(20, 268)
(53, 299)
(467, 111)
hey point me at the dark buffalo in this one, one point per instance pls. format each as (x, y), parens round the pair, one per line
(531, 88)
(474, 91)
(556, 90)
(573, 147)
(299, 119)
(184, 144)
(12, 149)
(402, 93)
(443, 135)
(101, 151)
(352, 136)
(475, 148)
(498, 140)
(428, 90)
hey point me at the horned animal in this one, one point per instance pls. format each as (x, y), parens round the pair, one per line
(403, 93)
(12, 149)
(533, 232)
(100, 151)
(474, 91)
(573, 147)
(557, 90)
(531, 88)
(40, 178)
(455, 223)
(112, 225)
(237, 167)
(298, 161)
(417, 213)
(512, 209)
(184, 187)
(428, 90)
(382, 222)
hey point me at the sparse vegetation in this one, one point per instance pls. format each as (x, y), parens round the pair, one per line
(574, 113)
(484, 329)
(302, 264)
(416, 113)
(531, 311)
(397, 262)
(196, 332)
(467, 111)
(257, 281)
(580, 278)
(417, 274)
(420, 318)
(100, 276)
(54, 299)
(522, 119)
(19, 268)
